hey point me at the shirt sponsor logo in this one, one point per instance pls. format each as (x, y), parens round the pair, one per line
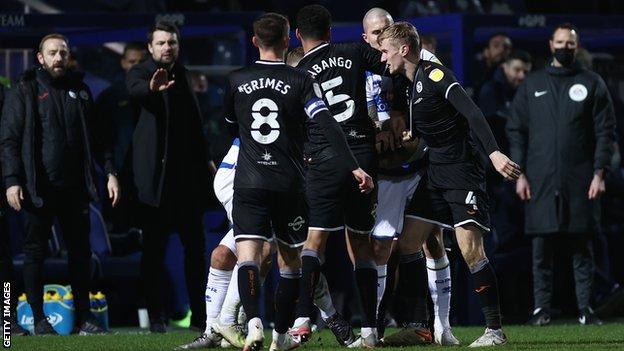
(354, 134)
(436, 75)
(578, 92)
(540, 93)
(267, 159)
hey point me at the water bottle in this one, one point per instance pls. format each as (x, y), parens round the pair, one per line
(68, 299)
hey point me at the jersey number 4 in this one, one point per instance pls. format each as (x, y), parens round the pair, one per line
(338, 98)
(265, 111)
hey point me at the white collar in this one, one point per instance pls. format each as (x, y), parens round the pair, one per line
(316, 49)
(265, 62)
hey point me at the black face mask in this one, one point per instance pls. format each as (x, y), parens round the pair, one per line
(565, 56)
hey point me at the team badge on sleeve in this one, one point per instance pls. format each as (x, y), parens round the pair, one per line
(436, 75)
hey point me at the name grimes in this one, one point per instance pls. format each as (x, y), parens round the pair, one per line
(264, 83)
(329, 63)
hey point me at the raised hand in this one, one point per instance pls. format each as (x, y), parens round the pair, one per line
(160, 80)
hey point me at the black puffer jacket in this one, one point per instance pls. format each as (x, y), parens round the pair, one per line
(561, 131)
(17, 134)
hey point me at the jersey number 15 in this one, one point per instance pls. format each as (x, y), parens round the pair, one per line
(338, 98)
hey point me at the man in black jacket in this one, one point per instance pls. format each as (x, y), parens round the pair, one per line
(171, 171)
(48, 173)
(561, 133)
(7, 274)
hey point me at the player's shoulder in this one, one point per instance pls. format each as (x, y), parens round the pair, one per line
(435, 72)
(239, 74)
(429, 56)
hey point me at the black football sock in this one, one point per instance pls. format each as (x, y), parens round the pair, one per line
(486, 288)
(366, 279)
(413, 286)
(249, 288)
(285, 299)
(310, 272)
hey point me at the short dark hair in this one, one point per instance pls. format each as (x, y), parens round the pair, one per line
(133, 46)
(270, 29)
(519, 55)
(53, 36)
(313, 22)
(164, 26)
(569, 26)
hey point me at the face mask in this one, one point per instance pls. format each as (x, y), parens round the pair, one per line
(565, 56)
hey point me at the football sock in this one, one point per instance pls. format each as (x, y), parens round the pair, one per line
(382, 272)
(439, 274)
(366, 280)
(285, 297)
(413, 286)
(231, 303)
(249, 288)
(310, 271)
(486, 288)
(216, 289)
(322, 298)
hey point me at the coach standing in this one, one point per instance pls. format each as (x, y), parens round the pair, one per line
(561, 133)
(171, 172)
(47, 169)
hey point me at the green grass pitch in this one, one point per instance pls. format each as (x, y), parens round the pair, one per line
(561, 337)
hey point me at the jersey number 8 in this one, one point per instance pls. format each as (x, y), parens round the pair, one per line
(264, 111)
(336, 99)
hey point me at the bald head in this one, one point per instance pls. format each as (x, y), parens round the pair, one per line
(374, 22)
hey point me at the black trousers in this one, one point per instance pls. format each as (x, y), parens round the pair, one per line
(576, 246)
(71, 208)
(157, 225)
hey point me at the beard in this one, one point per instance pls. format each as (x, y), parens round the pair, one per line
(168, 59)
(56, 71)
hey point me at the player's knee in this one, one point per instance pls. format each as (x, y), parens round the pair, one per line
(433, 247)
(315, 241)
(222, 258)
(473, 255)
(289, 259)
(362, 247)
(382, 250)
